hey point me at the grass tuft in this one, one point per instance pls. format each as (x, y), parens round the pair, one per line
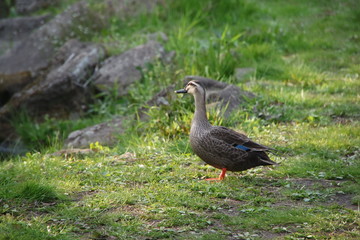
(37, 192)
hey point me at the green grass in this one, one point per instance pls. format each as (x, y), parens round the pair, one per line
(306, 56)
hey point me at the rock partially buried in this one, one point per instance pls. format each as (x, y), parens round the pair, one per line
(105, 133)
(122, 70)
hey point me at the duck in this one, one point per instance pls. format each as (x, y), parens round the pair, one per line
(218, 146)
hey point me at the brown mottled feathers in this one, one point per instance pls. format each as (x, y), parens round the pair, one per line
(216, 147)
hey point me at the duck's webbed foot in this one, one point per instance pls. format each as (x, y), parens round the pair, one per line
(221, 176)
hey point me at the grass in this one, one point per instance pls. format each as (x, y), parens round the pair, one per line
(306, 56)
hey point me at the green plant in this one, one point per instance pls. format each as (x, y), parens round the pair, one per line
(36, 192)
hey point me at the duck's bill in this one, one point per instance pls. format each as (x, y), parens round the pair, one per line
(181, 91)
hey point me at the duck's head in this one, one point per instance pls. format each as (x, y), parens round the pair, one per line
(193, 87)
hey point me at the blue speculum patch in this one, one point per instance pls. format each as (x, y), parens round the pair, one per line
(242, 147)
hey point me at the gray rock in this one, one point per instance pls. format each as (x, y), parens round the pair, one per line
(23, 63)
(63, 93)
(122, 70)
(14, 30)
(105, 133)
(63, 84)
(28, 6)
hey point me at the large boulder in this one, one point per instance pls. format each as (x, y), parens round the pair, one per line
(122, 70)
(23, 63)
(64, 88)
(64, 91)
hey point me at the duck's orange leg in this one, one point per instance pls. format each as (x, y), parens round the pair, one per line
(221, 176)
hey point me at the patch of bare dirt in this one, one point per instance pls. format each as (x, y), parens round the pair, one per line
(133, 210)
(230, 206)
(339, 198)
(272, 235)
(80, 195)
(344, 120)
(344, 200)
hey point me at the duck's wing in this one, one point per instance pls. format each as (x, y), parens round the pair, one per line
(243, 152)
(236, 139)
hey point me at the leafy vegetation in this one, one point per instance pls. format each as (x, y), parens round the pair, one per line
(306, 56)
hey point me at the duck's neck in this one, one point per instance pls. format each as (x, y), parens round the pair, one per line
(200, 117)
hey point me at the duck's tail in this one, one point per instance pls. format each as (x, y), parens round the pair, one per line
(265, 158)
